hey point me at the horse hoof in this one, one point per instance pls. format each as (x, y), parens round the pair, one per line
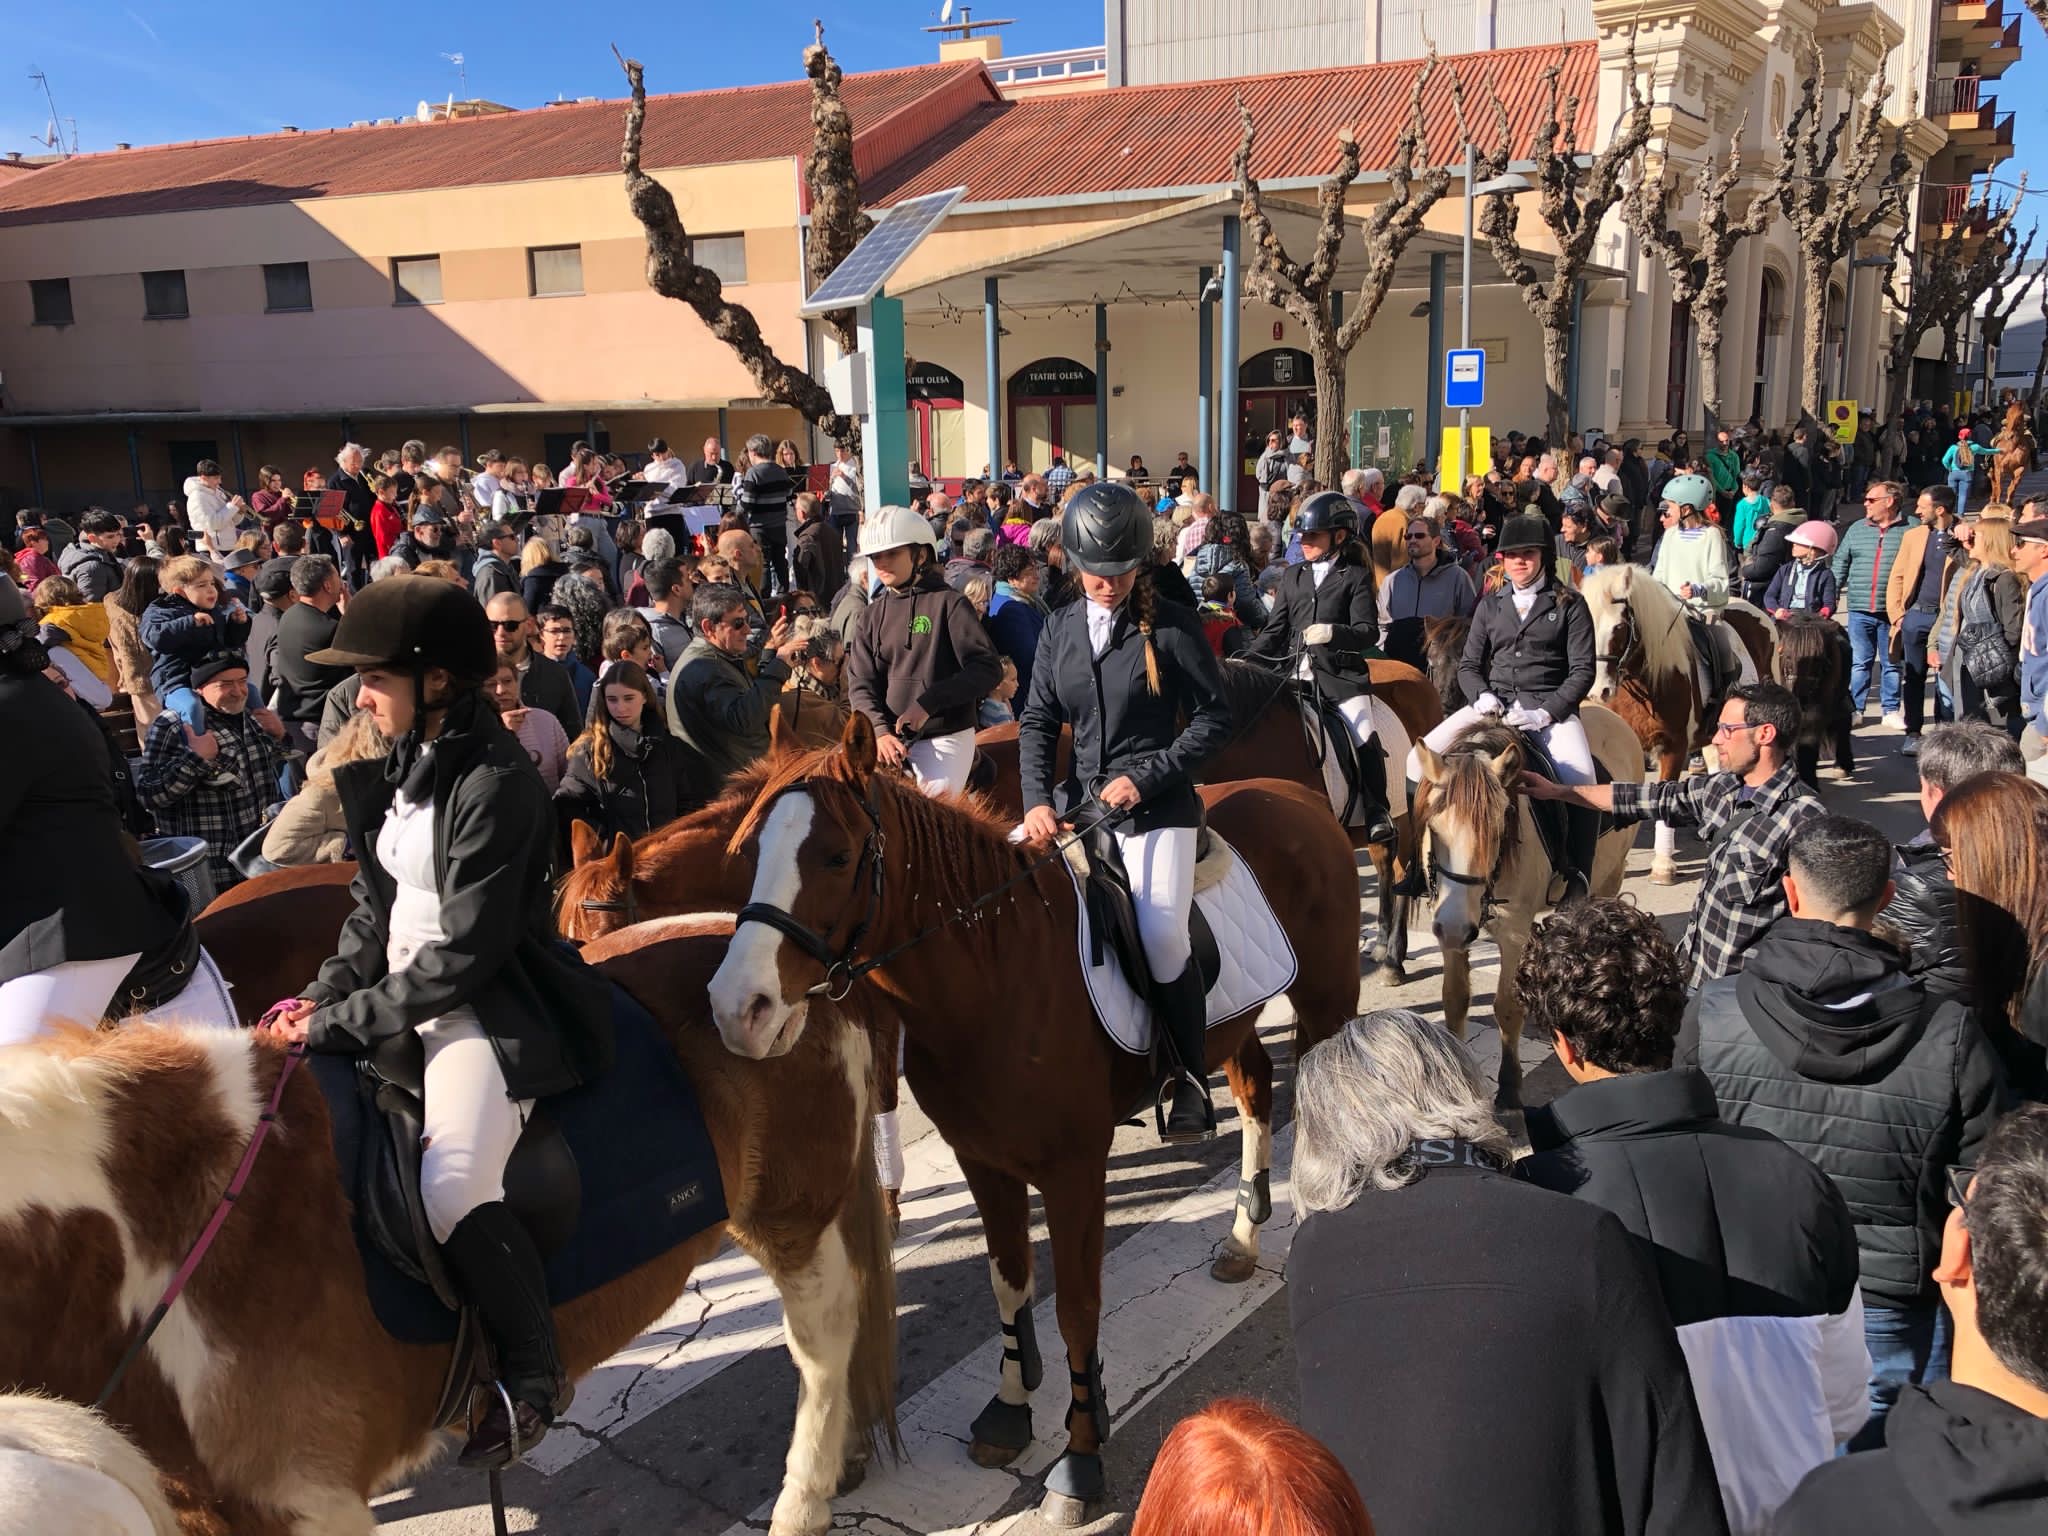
(851, 1476)
(1391, 974)
(1234, 1268)
(892, 1202)
(1663, 874)
(1001, 1431)
(1074, 1490)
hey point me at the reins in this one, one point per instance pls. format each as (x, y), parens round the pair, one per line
(212, 1229)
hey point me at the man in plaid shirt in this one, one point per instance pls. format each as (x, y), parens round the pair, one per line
(1058, 478)
(1748, 812)
(219, 784)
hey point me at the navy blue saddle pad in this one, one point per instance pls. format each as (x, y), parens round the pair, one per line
(650, 1174)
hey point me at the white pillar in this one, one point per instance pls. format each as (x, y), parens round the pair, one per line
(1660, 352)
(1636, 363)
(1738, 330)
(1864, 334)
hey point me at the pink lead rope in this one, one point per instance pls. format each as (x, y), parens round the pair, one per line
(214, 1222)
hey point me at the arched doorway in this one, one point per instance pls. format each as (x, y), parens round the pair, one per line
(938, 420)
(1769, 331)
(1678, 371)
(1272, 388)
(1052, 411)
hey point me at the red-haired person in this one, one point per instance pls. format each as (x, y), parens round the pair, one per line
(1239, 1469)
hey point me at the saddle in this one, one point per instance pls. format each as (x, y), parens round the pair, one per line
(1113, 913)
(1553, 818)
(1716, 666)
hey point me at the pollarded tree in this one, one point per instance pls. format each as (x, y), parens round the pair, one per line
(1700, 282)
(1942, 280)
(1573, 199)
(1305, 289)
(1823, 195)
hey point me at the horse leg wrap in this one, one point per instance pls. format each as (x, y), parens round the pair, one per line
(1097, 1406)
(1004, 1425)
(888, 1150)
(1255, 1198)
(1020, 1343)
(1077, 1475)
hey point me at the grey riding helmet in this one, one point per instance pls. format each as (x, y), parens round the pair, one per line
(1106, 530)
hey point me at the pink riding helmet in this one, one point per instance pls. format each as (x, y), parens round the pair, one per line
(1814, 535)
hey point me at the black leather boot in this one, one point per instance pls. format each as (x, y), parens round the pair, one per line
(1372, 793)
(1411, 882)
(1581, 845)
(500, 1272)
(1184, 1021)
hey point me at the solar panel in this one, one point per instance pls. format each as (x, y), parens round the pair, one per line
(887, 246)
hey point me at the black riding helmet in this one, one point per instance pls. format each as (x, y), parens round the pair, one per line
(1526, 530)
(411, 623)
(1105, 529)
(1327, 510)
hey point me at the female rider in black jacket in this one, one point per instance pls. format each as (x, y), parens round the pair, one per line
(1326, 610)
(1121, 668)
(453, 938)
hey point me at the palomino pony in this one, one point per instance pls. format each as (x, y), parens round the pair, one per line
(2016, 453)
(1491, 868)
(1646, 670)
(865, 883)
(114, 1148)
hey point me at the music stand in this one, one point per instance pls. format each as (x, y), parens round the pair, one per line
(561, 501)
(329, 509)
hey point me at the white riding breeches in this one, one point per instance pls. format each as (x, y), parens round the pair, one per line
(83, 992)
(472, 1123)
(940, 764)
(1161, 866)
(1370, 719)
(1565, 740)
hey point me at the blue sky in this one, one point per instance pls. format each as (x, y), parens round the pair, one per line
(143, 72)
(147, 72)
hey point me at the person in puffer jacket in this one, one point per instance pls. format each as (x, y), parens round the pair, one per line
(1824, 1040)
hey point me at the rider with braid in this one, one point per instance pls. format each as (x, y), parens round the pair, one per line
(1124, 668)
(1529, 661)
(1325, 610)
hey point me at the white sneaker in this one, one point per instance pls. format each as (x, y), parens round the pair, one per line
(1895, 718)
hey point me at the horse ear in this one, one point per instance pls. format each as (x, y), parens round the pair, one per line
(1432, 765)
(1503, 763)
(583, 843)
(858, 742)
(781, 734)
(622, 857)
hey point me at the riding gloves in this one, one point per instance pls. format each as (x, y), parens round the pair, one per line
(1488, 704)
(1529, 719)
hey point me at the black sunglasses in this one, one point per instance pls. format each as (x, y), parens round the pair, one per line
(508, 623)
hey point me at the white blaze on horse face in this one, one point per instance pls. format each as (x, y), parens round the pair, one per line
(1606, 674)
(746, 991)
(1460, 908)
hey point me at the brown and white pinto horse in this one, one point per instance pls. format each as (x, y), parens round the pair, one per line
(1023, 1082)
(271, 1386)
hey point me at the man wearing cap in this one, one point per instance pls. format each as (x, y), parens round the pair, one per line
(298, 682)
(238, 574)
(219, 783)
(426, 539)
(2030, 559)
(274, 596)
(496, 569)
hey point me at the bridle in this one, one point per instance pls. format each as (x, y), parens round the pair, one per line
(625, 905)
(1628, 636)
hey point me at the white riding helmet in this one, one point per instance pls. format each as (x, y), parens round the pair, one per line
(895, 528)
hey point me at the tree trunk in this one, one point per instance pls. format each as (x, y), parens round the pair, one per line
(1557, 362)
(1332, 430)
(1813, 332)
(1706, 322)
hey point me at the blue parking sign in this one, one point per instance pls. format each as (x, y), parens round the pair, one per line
(1465, 378)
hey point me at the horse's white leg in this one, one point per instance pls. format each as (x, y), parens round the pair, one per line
(1664, 858)
(1457, 991)
(821, 1313)
(1513, 938)
(1240, 1255)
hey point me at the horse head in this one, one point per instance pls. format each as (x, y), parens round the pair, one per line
(1443, 647)
(1469, 803)
(1615, 634)
(816, 833)
(598, 894)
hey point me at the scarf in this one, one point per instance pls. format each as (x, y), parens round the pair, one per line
(627, 741)
(410, 767)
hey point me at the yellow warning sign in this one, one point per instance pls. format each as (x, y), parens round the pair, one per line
(1842, 417)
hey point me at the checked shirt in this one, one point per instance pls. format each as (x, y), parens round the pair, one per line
(1741, 895)
(173, 783)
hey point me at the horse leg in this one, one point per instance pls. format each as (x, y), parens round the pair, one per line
(1664, 854)
(1507, 1017)
(1389, 951)
(1074, 1213)
(1457, 991)
(887, 1031)
(1003, 1429)
(821, 1314)
(1251, 1083)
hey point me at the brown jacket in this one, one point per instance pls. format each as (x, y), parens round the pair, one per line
(1904, 580)
(132, 662)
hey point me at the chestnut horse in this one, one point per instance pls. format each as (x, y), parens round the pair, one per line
(1023, 1082)
(1491, 867)
(114, 1148)
(2015, 456)
(1646, 671)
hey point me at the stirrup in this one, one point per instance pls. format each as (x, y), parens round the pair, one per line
(1160, 1113)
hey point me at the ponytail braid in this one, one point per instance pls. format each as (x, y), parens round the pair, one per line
(1145, 604)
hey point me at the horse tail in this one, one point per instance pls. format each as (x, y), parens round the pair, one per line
(870, 1252)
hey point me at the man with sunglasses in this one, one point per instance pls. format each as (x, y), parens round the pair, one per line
(1971, 1453)
(1863, 569)
(543, 684)
(1748, 813)
(1828, 1042)
(718, 699)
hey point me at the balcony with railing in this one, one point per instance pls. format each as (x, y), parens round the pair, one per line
(1955, 95)
(1978, 31)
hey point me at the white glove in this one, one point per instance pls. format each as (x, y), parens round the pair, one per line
(1529, 719)
(1319, 634)
(1488, 704)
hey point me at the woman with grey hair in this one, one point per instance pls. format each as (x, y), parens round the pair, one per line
(1480, 1354)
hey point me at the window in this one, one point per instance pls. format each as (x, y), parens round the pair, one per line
(287, 285)
(416, 280)
(163, 295)
(51, 298)
(724, 254)
(555, 269)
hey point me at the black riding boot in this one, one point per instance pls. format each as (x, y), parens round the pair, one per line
(1411, 882)
(1581, 844)
(1184, 1018)
(500, 1272)
(1372, 793)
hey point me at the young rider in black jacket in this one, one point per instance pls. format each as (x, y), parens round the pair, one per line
(1122, 668)
(453, 937)
(1327, 610)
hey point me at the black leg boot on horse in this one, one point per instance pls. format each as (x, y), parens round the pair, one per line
(1183, 1110)
(500, 1272)
(1581, 847)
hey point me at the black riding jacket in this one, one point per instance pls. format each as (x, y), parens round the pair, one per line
(1542, 662)
(1120, 727)
(1347, 602)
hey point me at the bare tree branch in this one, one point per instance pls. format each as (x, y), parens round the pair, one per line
(837, 223)
(672, 272)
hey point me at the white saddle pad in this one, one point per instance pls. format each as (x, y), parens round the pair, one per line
(1392, 736)
(1257, 961)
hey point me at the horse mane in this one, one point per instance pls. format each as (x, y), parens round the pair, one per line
(1443, 647)
(1802, 640)
(831, 765)
(1660, 617)
(1250, 688)
(1470, 794)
